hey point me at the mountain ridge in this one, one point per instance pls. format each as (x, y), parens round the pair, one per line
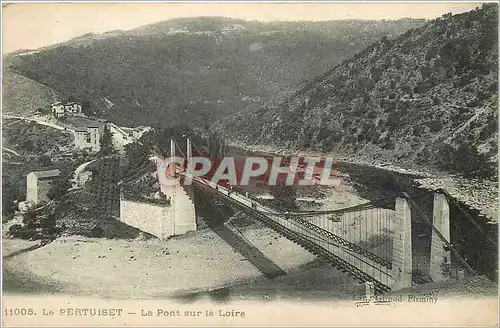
(216, 24)
(194, 78)
(427, 96)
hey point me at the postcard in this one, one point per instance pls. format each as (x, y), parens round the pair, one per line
(250, 164)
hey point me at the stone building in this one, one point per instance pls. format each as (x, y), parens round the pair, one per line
(38, 184)
(89, 137)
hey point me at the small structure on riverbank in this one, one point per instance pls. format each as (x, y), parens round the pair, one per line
(38, 184)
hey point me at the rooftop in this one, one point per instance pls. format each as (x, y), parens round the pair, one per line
(82, 122)
(47, 174)
(137, 128)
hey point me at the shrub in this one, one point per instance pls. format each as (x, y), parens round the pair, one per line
(435, 125)
(22, 232)
(58, 188)
(467, 161)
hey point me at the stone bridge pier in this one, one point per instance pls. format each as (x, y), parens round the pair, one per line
(440, 254)
(163, 221)
(402, 245)
(440, 257)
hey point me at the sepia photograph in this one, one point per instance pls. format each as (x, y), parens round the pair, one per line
(249, 163)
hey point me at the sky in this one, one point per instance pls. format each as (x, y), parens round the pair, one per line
(33, 25)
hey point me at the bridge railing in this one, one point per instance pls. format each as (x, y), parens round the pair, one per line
(348, 256)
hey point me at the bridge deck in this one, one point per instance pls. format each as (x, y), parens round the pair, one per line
(313, 239)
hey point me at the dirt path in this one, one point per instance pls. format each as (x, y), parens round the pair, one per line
(12, 151)
(42, 122)
(79, 170)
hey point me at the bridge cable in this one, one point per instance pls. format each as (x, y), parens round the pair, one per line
(387, 195)
(179, 147)
(361, 207)
(350, 252)
(385, 225)
(467, 215)
(363, 276)
(352, 245)
(198, 149)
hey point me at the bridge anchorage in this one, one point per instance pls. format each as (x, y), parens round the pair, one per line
(371, 243)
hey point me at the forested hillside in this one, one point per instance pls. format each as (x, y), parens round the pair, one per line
(427, 97)
(196, 70)
(22, 96)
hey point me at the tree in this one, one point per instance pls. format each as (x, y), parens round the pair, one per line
(107, 147)
(29, 222)
(87, 109)
(11, 192)
(467, 161)
(435, 125)
(59, 188)
(48, 225)
(44, 160)
(216, 146)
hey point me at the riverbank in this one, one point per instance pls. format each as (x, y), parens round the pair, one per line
(126, 269)
(130, 269)
(480, 195)
(199, 261)
(316, 281)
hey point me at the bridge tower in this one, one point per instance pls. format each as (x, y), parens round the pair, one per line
(182, 216)
(402, 249)
(440, 260)
(189, 155)
(162, 220)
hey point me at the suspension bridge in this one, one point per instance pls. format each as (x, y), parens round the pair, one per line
(371, 243)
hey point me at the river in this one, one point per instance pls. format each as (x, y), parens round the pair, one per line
(381, 187)
(322, 281)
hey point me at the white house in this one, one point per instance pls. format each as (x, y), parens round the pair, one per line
(57, 109)
(122, 136)
(73, 108)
